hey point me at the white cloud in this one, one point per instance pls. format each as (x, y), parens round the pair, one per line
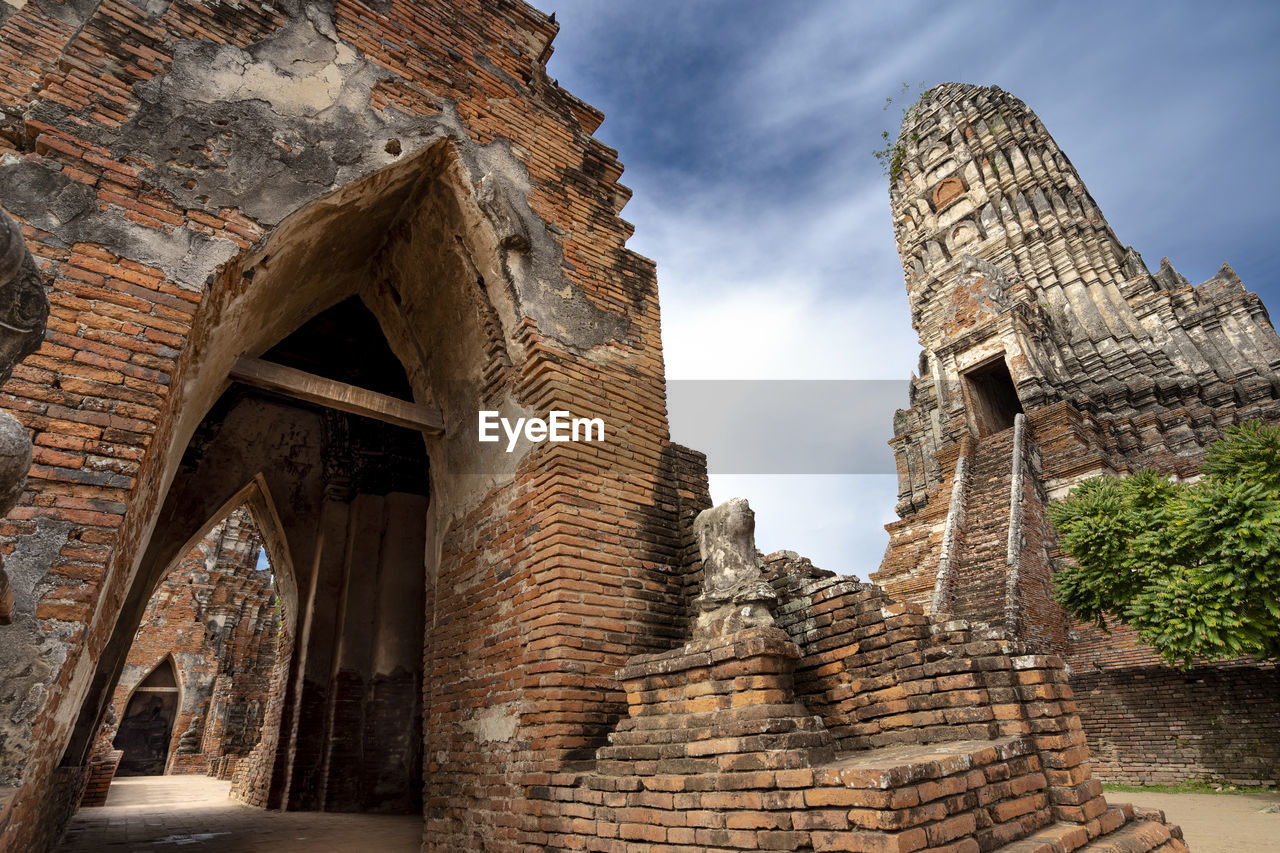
(837, 521)
(747, 129)
(788, 290)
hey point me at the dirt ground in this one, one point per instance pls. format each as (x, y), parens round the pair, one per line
(1216, 823)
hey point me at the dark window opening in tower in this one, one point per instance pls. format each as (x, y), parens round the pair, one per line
(991, 397)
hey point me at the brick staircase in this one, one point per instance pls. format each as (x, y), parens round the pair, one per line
(978, 590)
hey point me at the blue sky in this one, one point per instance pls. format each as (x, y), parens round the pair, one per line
(747, 128)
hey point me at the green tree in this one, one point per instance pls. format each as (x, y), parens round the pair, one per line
(1194, 569)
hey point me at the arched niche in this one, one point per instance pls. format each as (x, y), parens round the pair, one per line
(962, 234)
(946, 192)
(146, 726)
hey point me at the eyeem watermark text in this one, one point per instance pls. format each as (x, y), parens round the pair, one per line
(559, 426)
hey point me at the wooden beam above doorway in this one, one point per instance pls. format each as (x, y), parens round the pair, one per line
(336, 395)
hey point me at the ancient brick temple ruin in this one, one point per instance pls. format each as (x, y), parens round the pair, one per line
(291, 250)
(195, 685)
(1052, 354)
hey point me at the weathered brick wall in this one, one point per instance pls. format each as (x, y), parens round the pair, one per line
(1149, 722)
(910, 565)
(1160, 725)
(1038, 620)
(690, 494)
(251, 776)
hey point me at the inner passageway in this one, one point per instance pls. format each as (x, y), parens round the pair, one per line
(195, 814)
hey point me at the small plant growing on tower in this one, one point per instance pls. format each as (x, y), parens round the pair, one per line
(894, 153)
(1194, 569)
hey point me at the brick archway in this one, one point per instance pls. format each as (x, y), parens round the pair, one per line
(446, 287)
(475, 217)
(323, 300)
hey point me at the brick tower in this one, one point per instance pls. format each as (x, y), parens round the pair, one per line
(1050, 354)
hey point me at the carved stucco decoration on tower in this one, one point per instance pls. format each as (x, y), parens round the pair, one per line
(734, 593)
(981, 292)
(24, 309)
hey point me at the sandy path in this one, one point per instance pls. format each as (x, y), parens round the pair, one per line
(1217, 823)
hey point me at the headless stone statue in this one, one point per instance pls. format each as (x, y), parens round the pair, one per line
(734, 593)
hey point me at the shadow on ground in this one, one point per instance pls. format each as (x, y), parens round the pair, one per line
(195, 814)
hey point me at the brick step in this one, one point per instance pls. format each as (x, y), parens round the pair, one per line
(980, 560)
(683, 728)
(990, 790)
(640, 749)
(979, 595)
(991, 515)
(1142, 836)
(978, 572)
(991, 520)
(1112, 832)
(984, 490)
(988, 549)
(974, 586)
(902, 765)
(621, 762)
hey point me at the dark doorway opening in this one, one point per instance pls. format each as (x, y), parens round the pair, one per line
(147, 724)
(992, 397)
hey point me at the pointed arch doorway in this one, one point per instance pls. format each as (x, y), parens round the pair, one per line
(147, 724)
(308, 390)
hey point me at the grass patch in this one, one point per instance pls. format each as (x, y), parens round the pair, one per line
(1191, 786)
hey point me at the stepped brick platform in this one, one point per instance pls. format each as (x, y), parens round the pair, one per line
(854, 724)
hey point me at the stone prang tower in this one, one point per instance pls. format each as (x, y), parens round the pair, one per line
(1051, 354)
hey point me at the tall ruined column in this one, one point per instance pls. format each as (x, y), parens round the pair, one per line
(1026, 302)
(1051, 354)
(979, 176)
